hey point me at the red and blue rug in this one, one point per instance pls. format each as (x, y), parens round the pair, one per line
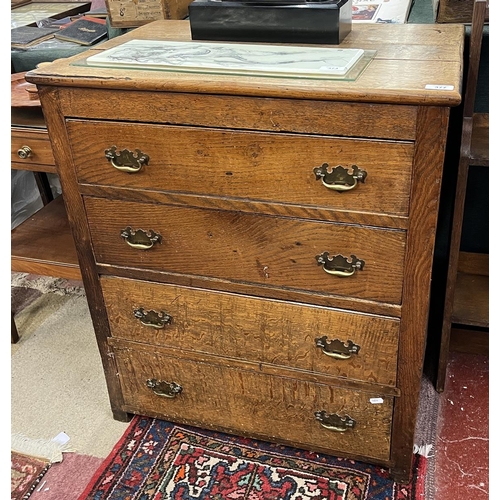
(158, 460)
(25, 474)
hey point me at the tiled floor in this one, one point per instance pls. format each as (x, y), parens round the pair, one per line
(462, 445)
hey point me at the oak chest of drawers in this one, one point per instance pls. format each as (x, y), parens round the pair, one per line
(257, 251)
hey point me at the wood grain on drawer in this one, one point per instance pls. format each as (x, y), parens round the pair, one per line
(40, 157)
(255, 329)
(228, 397)
(249, 165)
(251, 248)
(307, 116)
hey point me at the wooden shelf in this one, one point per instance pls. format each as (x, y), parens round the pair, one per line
(43, 244)
(470, 341)
(479, 148)
(471, 298)
(470, 304)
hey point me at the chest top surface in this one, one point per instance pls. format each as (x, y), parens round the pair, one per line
(413, 64)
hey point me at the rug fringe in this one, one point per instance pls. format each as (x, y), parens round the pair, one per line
(423, 450)
(41, 448)
(46, 284)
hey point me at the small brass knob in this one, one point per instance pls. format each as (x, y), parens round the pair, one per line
(24, 152)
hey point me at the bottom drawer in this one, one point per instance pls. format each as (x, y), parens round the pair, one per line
(222, 394)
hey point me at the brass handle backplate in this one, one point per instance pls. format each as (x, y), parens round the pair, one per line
(164, 389)
(152, 318)
(339, 265)
(24, 152)
(339, 179)
(334, 422)
(336, 348)
(139, 238)
(126, 160)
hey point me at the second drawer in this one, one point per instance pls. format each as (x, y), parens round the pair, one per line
(330, 258)
(344, 344)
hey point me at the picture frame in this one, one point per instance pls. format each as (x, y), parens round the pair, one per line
(29, 13)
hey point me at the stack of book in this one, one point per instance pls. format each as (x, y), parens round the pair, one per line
(84, 30)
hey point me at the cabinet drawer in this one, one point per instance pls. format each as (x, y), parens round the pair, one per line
(250, 165)
(250, 248)
(248, 402)
(255, 329)
(40, 149)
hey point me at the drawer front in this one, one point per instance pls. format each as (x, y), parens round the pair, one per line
(251, 165)
(250, 248)
(247, 402)
(319, 339)
(304, 116)
(38, 142)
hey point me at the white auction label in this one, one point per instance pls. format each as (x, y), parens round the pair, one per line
(376, 401)
(439, 87)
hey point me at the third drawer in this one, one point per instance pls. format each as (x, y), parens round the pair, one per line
(330, 341)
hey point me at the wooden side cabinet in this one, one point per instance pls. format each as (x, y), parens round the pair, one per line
(43, 243)
(224, 268)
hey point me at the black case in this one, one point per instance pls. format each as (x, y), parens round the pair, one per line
(280, 21)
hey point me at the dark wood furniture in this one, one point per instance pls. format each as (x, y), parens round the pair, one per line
(209, 270)
(454, 11)
(467, 287)
(43, 243)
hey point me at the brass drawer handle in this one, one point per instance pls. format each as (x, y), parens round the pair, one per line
(339, 265)
(339, 179)
(152, 318)
(24, 152)
(139, 238)
(336, 348)
(164, 389)
(125, 160)
(334, 422)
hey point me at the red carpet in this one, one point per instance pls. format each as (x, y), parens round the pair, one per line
(25, 474)
(462, 447)
(159, 460)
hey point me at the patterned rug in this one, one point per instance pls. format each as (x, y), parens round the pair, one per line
(26, 473)
(158, 460)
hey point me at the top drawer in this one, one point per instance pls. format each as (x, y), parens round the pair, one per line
(247, 165)
(303, 116)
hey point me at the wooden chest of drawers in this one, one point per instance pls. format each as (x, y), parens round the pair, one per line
(221, 268)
